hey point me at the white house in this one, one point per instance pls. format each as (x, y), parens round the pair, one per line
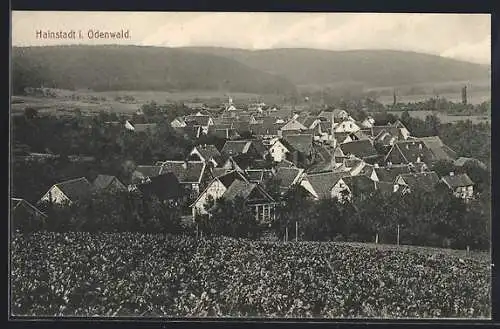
(347, 126)
(178, 123)
(129, 126)
(68, 191)
(215, 190)
(278, 151)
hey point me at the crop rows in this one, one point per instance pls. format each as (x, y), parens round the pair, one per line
(128, 274)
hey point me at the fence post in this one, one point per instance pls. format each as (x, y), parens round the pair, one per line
(286, 233)
(376, 238)
(468, 250)
(296, 231)
(398, 235)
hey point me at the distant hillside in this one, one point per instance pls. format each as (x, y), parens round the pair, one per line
(103, 68)
(278, 71)
(369, 68)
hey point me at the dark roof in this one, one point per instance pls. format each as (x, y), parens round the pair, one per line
(242, 126)
(185, 171)
(439, 150)
(263, 129)
(164, 187)
(287, 176)
(17, 203)
(228, 178)
(457, 180)
(103, 181)
(189, 131)
(359, 184)
(236, 147)
(425, 181)
(300, 142)
(389, 173)
(285, 164)
(362, 148)
(200, 120)
(258, 175)
(144, 127)
(323, 183)
(245, 190)
(208, 151)
(75, 188)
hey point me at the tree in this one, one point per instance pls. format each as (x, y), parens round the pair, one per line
(30, 113)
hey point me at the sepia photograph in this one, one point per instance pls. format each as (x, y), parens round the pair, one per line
(236, 165)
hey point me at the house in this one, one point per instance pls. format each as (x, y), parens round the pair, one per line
(68, 191)
(337, 115)
(404, 132)
(285, 164)
(288, 177)
(355, 187)
(178, 123)
(108, 183)
(293, 125)
(439, 150)
(239, 162)
(362, 149)
(278, 151)
(192, 175)
(460, 184)
(389, 174)
(347, 126)
(24, 213)
(206, 153)
(203, 121)
(258, 175)
(255, 197)
(425, 181)
(247, 147)
(189, 131)
(425, 149)
(165, 187)
(320, 185)
(300, 148)
(215, 190)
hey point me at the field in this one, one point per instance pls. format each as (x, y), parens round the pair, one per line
(473, 97)
(444, 118)
(128, 274)
(90, 101)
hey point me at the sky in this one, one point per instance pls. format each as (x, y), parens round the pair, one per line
(459, 36)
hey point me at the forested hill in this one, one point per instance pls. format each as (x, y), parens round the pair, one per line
(279, 71)
(137, 68)
(371, 68)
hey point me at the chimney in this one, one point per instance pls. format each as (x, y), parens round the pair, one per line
(375, 165)
(452, 173)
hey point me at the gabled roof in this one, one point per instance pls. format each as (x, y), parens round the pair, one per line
(362, 148)
(228, 178)
(236, 147)
(200, 120)
(285, 164)
(207, 151)
(359, 184)
(288, 176)
(299, 142)
(75, 188)
(244, 190)
(322, 183)
(457, 180)
(439, 150)
(189, 131)
(389, 173)
(258, 175)
(164, 187)
(103, 181)
(293, 124)
(425, 181)
(384, 187)
(17, 203)
(185, 171)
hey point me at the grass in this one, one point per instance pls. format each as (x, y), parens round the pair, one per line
(445, 118)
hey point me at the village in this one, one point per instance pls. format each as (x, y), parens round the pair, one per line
(329, 155)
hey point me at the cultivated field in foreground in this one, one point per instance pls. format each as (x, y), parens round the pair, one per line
(111, 274)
